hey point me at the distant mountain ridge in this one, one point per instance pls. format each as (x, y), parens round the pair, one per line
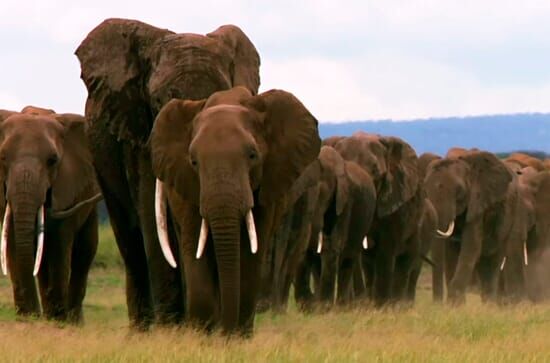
(495, 133)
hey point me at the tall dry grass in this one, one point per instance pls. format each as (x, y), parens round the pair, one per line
(426, 333)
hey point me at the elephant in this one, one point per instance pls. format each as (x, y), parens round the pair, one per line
(534, 192)
(48, 200)
(224, 164)
(394, 238)
(520, 160)
(343, 208)
(131, 70)
(476, 198)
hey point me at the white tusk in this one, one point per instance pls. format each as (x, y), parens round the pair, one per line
(202, 239)
(503, 263)
(365, 243)
(449, 231)
(251, 227)
(162, 227)
(40, 245)
(525, 257)
(320, 243)
(4, 240)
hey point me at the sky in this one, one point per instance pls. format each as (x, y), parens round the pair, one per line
(345, 60)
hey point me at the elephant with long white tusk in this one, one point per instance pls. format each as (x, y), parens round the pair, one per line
(225, 171)
(48, 176)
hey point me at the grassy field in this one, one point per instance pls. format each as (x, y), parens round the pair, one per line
(428, 332)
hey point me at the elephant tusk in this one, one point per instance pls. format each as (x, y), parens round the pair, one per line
(202, 239)
(503, 263)
(40, 245)
(162, 227)
(525, 257)
(4, 240)
(320, 243)
(252, 236)
(365, 243)
(449, 231)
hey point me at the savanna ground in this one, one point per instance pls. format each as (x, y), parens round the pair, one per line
(428, 332)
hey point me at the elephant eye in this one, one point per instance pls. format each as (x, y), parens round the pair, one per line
(193, 162)
(252, 155)
(52, 160)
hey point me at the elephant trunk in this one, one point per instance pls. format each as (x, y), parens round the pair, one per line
(24, 226)
(226, 236)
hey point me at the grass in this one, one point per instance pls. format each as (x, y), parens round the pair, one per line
(427, 333)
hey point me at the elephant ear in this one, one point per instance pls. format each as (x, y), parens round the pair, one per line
(334, 165)
(169, 144)
(4, 114)
(246, 61)
(401, 180)
(113, 70)
(309, 178)
(76, 180)
(489, 180)
(292, 139)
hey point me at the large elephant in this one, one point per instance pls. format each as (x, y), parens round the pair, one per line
(343, 211)
(225, 163)
(48, 195)
(131, 70)
(395, 233)
(476, 198)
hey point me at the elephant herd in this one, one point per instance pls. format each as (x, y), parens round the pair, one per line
(222, 199)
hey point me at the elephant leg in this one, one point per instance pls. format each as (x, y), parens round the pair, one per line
(329, 263)
(58, 244)
(345, 281)
(470, 251)
(359, 287)
(202, 300)
(302, 283)
(83, 253)
(451, 251)
(281, 251)
(369, 267)
(438, 271)
(384, 273)
(403, 266)
(166, 283)
(488, 270)
(413, 282)
(130, 244)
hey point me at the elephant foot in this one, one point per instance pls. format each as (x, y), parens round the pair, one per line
(456, 298)
(263, 305)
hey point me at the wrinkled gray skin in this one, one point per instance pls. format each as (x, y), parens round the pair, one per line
(480, 194)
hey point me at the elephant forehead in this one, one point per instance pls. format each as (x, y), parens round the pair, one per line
(223, 123)
(31, 125)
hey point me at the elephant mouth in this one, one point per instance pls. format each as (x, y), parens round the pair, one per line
(162, 229)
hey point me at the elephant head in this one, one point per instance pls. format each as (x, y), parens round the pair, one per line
(424, 161)
(225, 156)
(131, 69)
(391, 163)
(468, 184)
(45, 167)
(523, 160)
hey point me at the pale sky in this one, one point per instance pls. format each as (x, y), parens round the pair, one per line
(346, 60)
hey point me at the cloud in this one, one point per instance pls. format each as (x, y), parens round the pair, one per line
(396, 86)
(347, 60)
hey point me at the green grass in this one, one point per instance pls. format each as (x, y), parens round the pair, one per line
(426, 333)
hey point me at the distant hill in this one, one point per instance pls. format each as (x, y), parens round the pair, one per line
(499, 133)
